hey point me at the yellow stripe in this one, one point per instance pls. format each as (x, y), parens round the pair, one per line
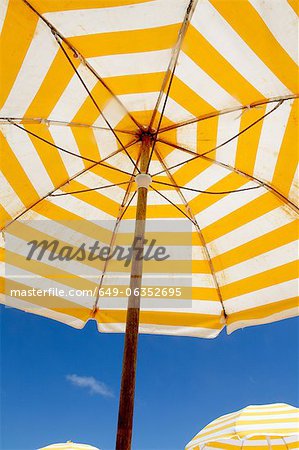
(216, 66)
(262, 280)
(245, 160)
(260, 312)
(123, 42)
(265, 243)
(14, 45)
(288, 155)
(52, 86)
(241, 16)
(65, 5)
(161, 318)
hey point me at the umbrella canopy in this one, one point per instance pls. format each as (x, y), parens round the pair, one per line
(214, 85)
(69, 445)
(199, 96)
(273, 426)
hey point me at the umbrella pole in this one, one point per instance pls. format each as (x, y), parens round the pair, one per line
(127, 390)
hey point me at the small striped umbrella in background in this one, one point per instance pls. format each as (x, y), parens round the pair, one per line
(202, 96)
(262, 427)
(69, 445)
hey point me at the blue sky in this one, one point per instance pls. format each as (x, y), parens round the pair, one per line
(59, 383)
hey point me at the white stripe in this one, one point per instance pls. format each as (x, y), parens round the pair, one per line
(106, 20)
(73, 96)
(229, 44)
(3, 11)
(254, 229)
(91, 180)
(282, 22)
(204, 181)
(41, 311)
(201, 83)
(147, 102)
(113, 113)
(228, 204)
(175, 157)
(285, 314)
(186, 137)
(266, 261)
(9, 199)
(293, 194)
(36, 64)
(262, 297)
(273, 131)
(31, 280)
(208, 333)
(171, 305)
(131, 63)
(203, 280)
(228, 126)
(80, 208)
(64, 138)
(29, 159)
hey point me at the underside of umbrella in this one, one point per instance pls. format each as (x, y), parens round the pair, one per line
(200, 96)
(214, 86)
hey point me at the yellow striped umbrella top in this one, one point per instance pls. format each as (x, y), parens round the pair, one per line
(69, 445)
(274, 426)
(215, 82)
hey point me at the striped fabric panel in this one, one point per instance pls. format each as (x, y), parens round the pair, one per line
(69, 446)
(258, 426)
(244, 260)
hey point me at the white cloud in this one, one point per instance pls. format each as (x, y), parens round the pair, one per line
(94, 386)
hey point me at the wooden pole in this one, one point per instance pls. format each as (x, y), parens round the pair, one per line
(128, 379)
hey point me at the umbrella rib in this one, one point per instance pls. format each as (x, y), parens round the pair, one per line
(174, 57)
(48, 122)
(83, 60)
(94, 101)
(267, 186)
(170, 73)
(210, 115)
(75, 154)
(90, 189)
(122, 210)
(199, 232)
(66, 182)
(208, 192)
(198, 155)
(173, 204)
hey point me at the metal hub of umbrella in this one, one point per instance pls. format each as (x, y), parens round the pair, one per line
(195, 101)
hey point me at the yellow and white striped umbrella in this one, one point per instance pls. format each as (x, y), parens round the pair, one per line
(214, 84)
(69, 445)
(274, 426)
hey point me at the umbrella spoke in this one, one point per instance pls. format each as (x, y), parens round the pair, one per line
(93, 100)
(83, 60)
(122, 210)
(267, 186)
(48, 122)
(90, 189)
(198, 230)
(170, 75)
(173, 62)
(208, 192)
(75, 154)
(197, 155)
(64, 183)
(252, 105)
